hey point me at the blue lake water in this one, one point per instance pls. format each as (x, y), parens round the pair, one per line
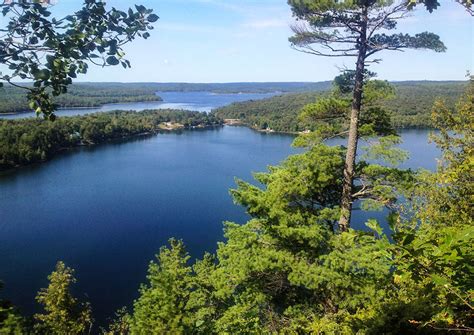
(195, 101)
(106, 210)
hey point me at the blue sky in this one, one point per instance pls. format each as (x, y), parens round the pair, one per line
(247, 40)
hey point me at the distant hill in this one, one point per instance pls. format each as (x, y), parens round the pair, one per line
(410, 108)
(13, 99)
(413, 100)
(257, 87)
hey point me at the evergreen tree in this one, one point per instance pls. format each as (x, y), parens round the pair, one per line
(354, 29)
(120, 325)
(11, 322)
(63, 314)
(162, 305)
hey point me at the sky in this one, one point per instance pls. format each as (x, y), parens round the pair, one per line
(247, 40)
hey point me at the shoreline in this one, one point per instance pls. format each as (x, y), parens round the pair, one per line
(239, 123)
(108, 141)
(85, 107)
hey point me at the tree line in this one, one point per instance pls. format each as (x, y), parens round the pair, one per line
(409, 107)
(28, 141)
(14, 99)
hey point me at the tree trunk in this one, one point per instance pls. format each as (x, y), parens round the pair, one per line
(346, 197)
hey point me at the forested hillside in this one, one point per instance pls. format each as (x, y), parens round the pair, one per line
(14, 99)
(29, 141)
(413, 100)
(410, 107)
(260, 87)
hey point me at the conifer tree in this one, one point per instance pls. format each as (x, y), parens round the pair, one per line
(63, 314)
(354, 29)
(162, 305)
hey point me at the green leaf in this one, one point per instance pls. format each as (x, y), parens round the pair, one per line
(153, 18)
(374, 226)
(42, 74)
(112, 60)
(141, 9)
(439, 280)
(199, 323)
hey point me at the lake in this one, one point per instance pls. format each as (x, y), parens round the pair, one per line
(106, 210)
(196, 101)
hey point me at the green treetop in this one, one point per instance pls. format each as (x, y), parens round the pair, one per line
(162, 303)
(63, 314)
(354, 29)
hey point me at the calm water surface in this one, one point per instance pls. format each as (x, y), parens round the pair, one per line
(195, 101)
(107, 210)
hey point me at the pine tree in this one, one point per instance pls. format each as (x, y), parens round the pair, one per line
(354, 29)
(162, 305)
(63, 314)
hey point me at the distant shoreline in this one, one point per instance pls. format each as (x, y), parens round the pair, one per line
(84, 107)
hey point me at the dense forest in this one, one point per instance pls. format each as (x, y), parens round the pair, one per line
(13, 99)
(410, 107)
(28, 141)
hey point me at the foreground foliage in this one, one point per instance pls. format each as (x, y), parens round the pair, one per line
(51, 51)
(63, 314)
